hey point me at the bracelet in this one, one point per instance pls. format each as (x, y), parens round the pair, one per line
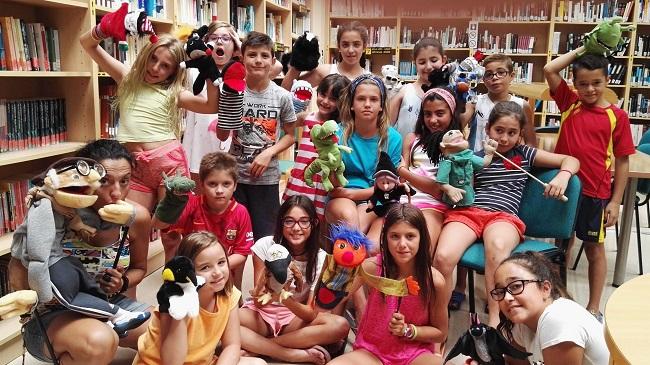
(125, 284)
(569, 171)
(408, 331)
(414, 334)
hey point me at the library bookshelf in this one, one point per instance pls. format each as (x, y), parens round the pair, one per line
(398, 25)
(79, 81)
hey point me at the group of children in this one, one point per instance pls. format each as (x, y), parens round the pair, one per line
(238, 211)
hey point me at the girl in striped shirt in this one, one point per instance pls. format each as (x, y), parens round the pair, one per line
(499, 188)
(328, 93)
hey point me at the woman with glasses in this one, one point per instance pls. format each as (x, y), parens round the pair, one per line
(538, 316)
(292, 330)
(78, 338)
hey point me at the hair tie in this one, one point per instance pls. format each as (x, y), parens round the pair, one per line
(380, 84)
(445, 94)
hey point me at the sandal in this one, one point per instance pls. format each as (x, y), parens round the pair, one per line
(457, 298)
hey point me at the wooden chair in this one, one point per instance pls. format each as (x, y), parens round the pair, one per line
(544, 218)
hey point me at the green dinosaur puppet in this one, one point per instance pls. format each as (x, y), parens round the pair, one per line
(605, 38)
(329, 155)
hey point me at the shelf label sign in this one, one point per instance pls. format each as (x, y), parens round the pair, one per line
(472, 35)
(379, 50)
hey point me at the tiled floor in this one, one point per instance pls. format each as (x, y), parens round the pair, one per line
(577, 285)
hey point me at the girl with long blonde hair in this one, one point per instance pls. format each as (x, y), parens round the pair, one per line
(150, 97)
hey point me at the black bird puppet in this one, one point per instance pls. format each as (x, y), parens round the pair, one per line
(178, 295)
(200, 57)
(484, 344)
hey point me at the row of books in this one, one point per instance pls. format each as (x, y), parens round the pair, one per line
(153, 8)
(640, 75)
(300, 23)
(274, 27)
(135, 44)
(638, 130)
(28, 46)
(359, 8)
(523, 72)
(638, 106)
(513, 10)
(505, 43)
(617, 72)
(197, 12)
(449, 37)
(642, 47)
(575, 40)
(384, 36)
(12, 206)
(4, 275)
(29, 123)
(245, 20)
(643, 11)
(592, 11)
(284, 3)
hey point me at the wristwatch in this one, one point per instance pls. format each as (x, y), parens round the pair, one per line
(125, 284)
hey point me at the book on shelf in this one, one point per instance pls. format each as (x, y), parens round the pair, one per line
(643, 11)
(382, 36)
(617, 71)
(642, 47)
(300, 23)
(108, 113)
(513, 10)
(640, 75)
(506, 43)
(274, 27)
(245, 20)
(4, 275)
(153, 8)
(523, 72)
(358, 8)
(284, 3)
(197, 12)
(450, 37)
(638, 106)
(29, 46)
(592, 11)
(29, 123)
(12, 207)
(135, 44)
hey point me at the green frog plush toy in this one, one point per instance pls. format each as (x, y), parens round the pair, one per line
(329, 155)
(605, 38)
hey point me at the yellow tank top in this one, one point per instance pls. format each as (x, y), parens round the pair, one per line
(203, 333)
(146, 117)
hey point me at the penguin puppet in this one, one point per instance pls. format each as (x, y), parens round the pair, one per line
(484, 345)
(278, 275)
(178, 295)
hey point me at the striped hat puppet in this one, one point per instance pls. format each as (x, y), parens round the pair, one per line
(231, 96)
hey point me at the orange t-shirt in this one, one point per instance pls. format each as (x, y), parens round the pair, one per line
(203, 333)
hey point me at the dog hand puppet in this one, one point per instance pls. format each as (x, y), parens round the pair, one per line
(484, 345)
(278, 275)
(329, 155)
(306, 53)
(178, 294)
(200, 57)
(121, 23)
(456, 169)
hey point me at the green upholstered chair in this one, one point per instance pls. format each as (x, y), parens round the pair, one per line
(544, 218)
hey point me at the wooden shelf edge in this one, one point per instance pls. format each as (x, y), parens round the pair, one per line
(8, 158)
(54, 3)
(270, 5)
(9, 330)
(45, 74)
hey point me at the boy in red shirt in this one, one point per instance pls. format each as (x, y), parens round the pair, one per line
(593, 131)
(215, 211)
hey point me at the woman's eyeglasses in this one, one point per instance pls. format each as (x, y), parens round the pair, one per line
(220, 38)
(83, 168)
(499, 74)
(302, 222)
(514, 288)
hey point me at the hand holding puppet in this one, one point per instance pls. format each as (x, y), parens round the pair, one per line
(280, 272)
(456, 169)
(176, 197)
(231, 96)
(462, 77)
(121, 23)
(350, 249)
(388, 190)
(329, 155)
(178, 295)
(66, 186)
(605, 38)
(17, 303)
(484, 345)
(301, 92)
(200, 57)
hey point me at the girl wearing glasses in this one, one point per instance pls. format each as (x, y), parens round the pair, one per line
(292, 330)
(499, 188)
(538, 316)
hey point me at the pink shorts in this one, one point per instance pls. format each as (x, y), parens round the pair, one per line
(149, 166)
(478, 219)
(276, 316)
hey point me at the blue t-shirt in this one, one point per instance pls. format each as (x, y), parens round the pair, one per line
(361, 164)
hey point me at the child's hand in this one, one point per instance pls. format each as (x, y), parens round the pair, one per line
(114, 284)
(261, 163)
(611, 213)
(120, 212)
(556, 188)
(490, 146)
(397, 324)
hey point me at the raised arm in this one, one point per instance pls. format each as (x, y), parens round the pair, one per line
(116, 69)
(553, 68)
(198, 103)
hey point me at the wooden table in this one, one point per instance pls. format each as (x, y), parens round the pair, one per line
(639, 169)
(627, 322)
